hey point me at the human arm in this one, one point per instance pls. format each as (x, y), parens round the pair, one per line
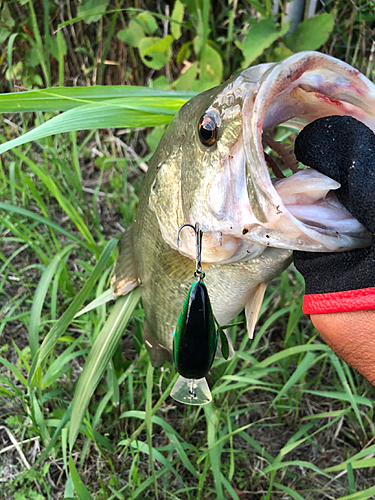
(340, 287)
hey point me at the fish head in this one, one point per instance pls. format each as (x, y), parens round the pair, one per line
(212, 166)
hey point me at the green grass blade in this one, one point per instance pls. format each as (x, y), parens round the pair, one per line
(65, 98)
(39, 297)
(99, 357)
(214, 454)
(301, 369)
(18, 375)
(117, 113)
(80, 488)
(59, 328)
(229, 488)
(299, 463)
(346, 386)
(99, 301)
(291, 493)
(148, 420)
(354, 460)
(43, 220)
(172, 435)
(360, 495)
(64, 203)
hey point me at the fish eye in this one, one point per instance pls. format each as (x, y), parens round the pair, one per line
(207, 130)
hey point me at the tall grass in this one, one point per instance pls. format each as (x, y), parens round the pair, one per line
(288, 418)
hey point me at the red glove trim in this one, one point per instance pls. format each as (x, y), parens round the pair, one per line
(353, 300)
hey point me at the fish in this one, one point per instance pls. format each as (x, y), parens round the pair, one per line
(213, 166)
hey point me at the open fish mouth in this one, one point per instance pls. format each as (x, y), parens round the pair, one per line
(302, 211)
(245, 203)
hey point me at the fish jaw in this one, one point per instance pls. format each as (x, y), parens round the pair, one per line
(227, 187)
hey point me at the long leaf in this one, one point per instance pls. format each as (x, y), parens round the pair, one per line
(116, 113)
(64, 98)
(99, 357)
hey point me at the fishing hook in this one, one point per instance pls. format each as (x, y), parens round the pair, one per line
(199, 273)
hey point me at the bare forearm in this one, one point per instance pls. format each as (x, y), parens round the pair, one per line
(351, 335)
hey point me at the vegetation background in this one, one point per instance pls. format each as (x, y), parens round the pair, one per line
(289, 419)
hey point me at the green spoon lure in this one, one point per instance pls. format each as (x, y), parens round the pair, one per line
(194, 339)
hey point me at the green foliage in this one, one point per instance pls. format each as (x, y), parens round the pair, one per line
(77, 390)
(312, 33)
(260, 36)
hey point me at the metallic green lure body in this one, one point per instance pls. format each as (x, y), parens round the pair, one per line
(195, 336)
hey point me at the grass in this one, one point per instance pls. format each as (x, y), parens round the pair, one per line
(288, 418)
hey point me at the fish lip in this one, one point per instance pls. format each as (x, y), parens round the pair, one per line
(278, 80)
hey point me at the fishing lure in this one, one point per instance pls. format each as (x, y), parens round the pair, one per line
(195, 338)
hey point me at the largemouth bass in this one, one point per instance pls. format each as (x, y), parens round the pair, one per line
(211, 168)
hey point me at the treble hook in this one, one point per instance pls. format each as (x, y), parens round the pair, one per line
(199, 273)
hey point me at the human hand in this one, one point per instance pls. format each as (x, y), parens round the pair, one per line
(340, 287)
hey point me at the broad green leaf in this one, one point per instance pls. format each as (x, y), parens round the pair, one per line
(80, 488)
(132, 35)
(185, 81)
(119, 113)
(61, 325)
(162, 45)
(64, 98)
(260, 36)
(99, 357)
(184, 52)
(92, 10)
(311, 34)
(6, 23)
(147, 21)
(176, 19)
(213, 69)
(155, 52)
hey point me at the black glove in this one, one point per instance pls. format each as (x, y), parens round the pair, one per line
(342, 148)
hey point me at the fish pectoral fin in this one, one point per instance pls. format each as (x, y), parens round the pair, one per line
(178, 266)
(125, 276)
(252, 307)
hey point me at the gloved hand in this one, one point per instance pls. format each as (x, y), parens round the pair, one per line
(340, 287)
(342, 148)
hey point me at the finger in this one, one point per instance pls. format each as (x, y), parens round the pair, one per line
(343, 148)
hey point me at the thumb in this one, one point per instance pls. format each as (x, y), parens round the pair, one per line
(343, 148)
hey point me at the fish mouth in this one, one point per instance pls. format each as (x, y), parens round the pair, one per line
(301, 212)
(245, 203)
